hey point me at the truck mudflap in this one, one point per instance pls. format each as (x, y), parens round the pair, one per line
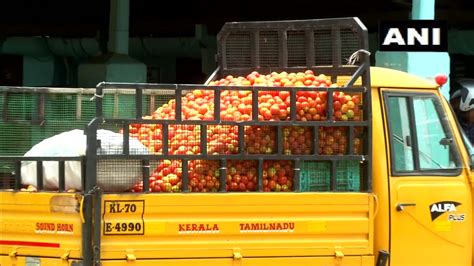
(277, 225)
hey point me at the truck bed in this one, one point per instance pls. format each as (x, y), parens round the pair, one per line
(186, 226)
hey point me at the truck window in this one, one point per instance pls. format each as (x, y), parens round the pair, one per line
(420, 138)
(468, 145)
(401, 134)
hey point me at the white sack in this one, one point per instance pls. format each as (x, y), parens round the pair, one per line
(112, 175)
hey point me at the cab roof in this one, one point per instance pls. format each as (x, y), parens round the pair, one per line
(390, 78)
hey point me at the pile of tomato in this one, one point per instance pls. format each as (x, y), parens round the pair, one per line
(236, 105)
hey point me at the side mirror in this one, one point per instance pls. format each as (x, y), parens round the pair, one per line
(471, 170)
(446, 142)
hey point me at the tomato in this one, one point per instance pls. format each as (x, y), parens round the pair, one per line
(250, 186)
(237, 106)
(344, 108)
(271, 171)
(275, 109)
(241, 187)
(282, 180)
(271, 185)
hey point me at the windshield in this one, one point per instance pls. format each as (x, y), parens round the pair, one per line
(467, 142)
(468, 145)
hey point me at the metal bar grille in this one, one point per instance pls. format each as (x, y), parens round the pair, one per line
(316, 140)
(126, 137)
(336, 46)
(39, 175)
(146, 175)
(255, 48)
(222, 175)
(283, 48)
(349, 43)
(296, 48)
(296, 174)
(241, 153)
(293, 105)
(87, 247)
(307, 43)
(165, 139)
(97, 225)
(17, 175)
(260, 175)
(139, 103)
(254, 104)
(203, 139)
(178, 104)
(269, 49)
(246, 156)
(322, 44)
(238, 50)
(279, 138)
(185, 175)
(61, 174)
(300, 45)
(241, 138)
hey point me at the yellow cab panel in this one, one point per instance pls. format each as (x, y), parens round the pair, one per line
(430, 197)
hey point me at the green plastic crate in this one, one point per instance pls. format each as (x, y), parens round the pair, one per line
(316, 176)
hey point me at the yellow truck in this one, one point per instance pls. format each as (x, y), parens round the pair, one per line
(408, 201)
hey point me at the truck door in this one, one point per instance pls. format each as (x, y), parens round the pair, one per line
(429, 192)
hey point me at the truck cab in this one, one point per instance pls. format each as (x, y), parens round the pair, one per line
(403, 198)
(423, 172)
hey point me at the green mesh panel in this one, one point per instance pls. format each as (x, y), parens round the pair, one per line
(21, 124)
